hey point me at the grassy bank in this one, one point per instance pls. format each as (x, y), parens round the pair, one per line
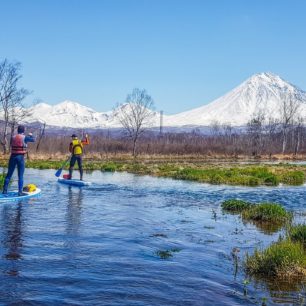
(285, 258)
(206, 172)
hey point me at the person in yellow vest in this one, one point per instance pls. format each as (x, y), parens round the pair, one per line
(76, 150)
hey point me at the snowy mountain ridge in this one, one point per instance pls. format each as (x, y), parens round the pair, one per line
(262, 92)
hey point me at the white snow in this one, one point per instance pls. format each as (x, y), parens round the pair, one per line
(261, 92)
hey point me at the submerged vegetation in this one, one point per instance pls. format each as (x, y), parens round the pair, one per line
(166, 254)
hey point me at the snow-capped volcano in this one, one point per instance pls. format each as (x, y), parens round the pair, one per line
(67, 114)
(263, 92)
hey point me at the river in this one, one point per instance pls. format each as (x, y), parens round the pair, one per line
(100, 245)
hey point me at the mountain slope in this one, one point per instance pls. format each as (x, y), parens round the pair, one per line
(262, 92)
(67, 114)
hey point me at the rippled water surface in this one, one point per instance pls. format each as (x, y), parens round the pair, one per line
(99, 245)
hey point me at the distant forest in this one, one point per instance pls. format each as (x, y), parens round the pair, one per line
(255, 140)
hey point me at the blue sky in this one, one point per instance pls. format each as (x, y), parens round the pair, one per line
(185, 53)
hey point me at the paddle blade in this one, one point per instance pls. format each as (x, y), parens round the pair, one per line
(58, 172)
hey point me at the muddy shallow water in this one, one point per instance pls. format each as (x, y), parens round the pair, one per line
(99, 245)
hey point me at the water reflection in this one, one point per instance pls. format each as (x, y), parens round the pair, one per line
(73, 217)
(97, 245)
(12, 240)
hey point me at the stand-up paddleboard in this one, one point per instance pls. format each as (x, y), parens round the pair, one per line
(73, 182)
(13, 195)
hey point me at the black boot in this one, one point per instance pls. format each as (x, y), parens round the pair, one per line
(70, 173)
(4, 191)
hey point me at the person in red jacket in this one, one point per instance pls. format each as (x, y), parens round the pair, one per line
(76, 150)
(18, 150)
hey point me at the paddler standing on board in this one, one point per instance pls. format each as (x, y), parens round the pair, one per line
(76, 149)
(18, 150)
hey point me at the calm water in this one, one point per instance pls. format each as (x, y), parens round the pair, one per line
(97, 245)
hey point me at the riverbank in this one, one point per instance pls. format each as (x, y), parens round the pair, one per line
(231, 172)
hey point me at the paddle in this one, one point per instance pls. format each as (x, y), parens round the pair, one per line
(59, 171)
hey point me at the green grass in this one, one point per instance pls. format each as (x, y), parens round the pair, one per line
(268, 217)
(2, 177)
(297, 233)
(235, 206)
(293, 178)
(109, 167)
(249, 176)
(267, 212)
(245, 175)
(281, 259)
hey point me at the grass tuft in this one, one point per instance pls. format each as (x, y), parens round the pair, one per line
(235, 206)
(281, 259)
(267, 212)
(297, 233)
(293, 178)
(2, 178)
(109, 167)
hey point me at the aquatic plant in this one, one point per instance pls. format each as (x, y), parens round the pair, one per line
(293, 178)
(166, 254)
(245, 175)
(297, 233)
(284, 258)
(109, 167)
(235, 206)
(267, 212)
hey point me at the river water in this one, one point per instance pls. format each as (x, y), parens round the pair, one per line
(99, 245)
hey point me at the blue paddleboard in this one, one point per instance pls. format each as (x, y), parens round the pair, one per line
(73, 182)
(13, 195)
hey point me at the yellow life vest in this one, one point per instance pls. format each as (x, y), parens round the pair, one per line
(77, 147)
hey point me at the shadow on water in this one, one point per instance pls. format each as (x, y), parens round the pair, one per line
(12, 239)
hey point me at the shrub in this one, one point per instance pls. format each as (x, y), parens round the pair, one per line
(281, 259)
(235, 206)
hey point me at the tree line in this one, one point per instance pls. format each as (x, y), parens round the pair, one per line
(263, 135)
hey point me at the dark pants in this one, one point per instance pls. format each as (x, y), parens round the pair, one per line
(76, 158)
(15, 160)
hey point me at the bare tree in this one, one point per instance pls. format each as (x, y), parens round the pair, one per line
(11, 97)
(41, 134)
(298, 130)
(136, 115)
(255, 132)
(288, 111)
